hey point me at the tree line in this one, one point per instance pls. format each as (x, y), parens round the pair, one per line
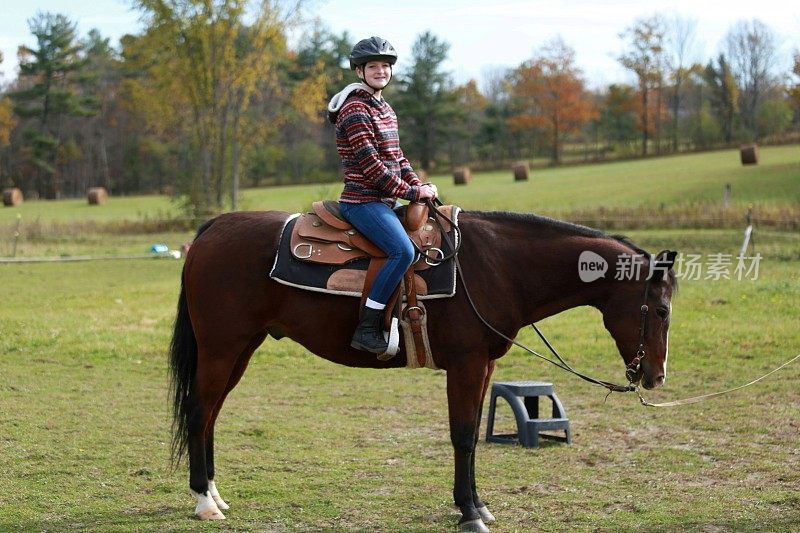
(210, 97)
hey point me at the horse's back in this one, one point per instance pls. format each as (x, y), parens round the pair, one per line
(244, 226)
(230, 258)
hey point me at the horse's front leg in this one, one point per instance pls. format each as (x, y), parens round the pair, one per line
(465, 387)
(483, 510)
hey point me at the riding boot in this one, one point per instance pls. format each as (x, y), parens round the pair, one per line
(369, 332)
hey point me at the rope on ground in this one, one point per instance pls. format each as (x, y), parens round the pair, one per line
(77, 258)
(704, 397)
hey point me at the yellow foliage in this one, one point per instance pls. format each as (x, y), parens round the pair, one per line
(308, 97)
(6, 121)
(794, 91)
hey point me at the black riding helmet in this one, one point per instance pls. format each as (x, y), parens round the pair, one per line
(372, 49)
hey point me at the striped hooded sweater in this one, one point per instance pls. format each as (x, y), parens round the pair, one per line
(368, 142)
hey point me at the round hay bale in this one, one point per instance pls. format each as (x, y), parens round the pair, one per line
(422, 174)
(12, 197)
(97, 195)
(462, 176)
(521, 171)
(749, 154)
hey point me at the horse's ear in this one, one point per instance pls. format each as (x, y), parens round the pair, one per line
(664, 262)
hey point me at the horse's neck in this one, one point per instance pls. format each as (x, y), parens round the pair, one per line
(560, 287)
(547, 275)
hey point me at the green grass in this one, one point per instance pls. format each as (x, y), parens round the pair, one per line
(70, 210)
(685, 180)
(307, 445)
(693, 182)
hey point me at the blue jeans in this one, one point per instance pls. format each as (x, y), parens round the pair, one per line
(378, 223)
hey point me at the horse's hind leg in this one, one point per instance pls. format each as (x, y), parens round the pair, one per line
(211, 380)
(236, 375)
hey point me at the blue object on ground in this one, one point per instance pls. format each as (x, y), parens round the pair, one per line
(159, 248)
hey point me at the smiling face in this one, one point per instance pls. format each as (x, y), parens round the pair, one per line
(377, 74)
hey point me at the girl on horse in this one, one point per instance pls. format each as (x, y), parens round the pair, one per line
(376, 175)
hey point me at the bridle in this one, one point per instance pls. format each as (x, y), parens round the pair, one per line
(631, 369)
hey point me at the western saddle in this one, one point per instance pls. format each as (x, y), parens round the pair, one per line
(325, 237)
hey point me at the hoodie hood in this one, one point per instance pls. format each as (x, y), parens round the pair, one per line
(339, 98)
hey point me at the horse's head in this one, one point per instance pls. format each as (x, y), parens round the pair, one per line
(637, 315)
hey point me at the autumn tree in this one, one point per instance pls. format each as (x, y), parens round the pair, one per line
(551, 91)
(48, 93)
(794, 90)
(468, 122)
(206, 52)
(680, 43)
(6, 118)
(497, 142)
(752, 52)
(7, 123)
(317, 71)
(101, 79)
(644, 57)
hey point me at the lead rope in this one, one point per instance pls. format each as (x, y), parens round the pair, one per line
(704, 397)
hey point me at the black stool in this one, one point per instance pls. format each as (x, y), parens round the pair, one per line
(523, 397)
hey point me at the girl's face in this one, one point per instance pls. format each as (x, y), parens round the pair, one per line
(377, 73)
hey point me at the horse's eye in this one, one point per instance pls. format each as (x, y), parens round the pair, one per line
(662, 312)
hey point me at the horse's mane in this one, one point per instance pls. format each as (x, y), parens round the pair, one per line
(559, 226)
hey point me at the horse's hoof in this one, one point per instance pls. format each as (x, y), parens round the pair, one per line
(212, 489)
(486, 515)
(224, 506)
(476, 526)
(207, 508)
(210, 514)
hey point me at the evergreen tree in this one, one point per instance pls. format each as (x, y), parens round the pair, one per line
(49, 93)
(426, 103)
(724, 96)
(618, 115)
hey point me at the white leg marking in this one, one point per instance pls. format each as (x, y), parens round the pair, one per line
(666, 351)
(212, 489)
(486, 515)
(206, 507)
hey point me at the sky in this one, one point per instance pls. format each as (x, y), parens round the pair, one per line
(484, 36)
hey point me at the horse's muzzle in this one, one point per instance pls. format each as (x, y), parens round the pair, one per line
(652, 382)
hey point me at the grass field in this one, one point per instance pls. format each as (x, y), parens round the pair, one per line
(307, 445)
(692, 182)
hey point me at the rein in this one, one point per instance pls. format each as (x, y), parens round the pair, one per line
(612, 387)
(631, 369)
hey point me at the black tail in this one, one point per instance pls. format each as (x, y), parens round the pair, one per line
(182, 366)
(182, 369)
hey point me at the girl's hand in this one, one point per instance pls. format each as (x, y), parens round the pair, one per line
(428, 190)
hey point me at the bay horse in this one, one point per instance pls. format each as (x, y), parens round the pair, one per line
(519, 269)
